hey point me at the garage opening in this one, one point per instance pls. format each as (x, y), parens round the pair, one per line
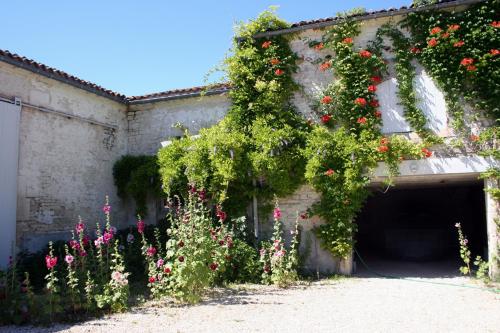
(409, 231)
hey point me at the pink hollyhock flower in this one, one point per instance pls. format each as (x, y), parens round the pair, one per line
(79, 228)
(99, 241)
(140, 226)
(106, 209)
(277, 213)
(69, 259)
(82, 253)
(160, 263)
(221, 214)
(50, 262)
(151, 251)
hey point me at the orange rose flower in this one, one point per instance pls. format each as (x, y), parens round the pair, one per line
(266, 44)
(432, 42)
(361, 120)
(459, 44)
(453, 27)
(275, 61)
(365, 54)
(279, 72)
(436, 30)
(326, 100)
(347, 40)
(324, 66)
(319, 46)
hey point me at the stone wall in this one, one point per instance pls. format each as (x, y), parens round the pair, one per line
(65, 164)
(150, 124)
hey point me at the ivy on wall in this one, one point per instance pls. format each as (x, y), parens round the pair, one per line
(136, 177)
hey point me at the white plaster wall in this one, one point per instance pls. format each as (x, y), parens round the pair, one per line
(150, 124)
(65, 167)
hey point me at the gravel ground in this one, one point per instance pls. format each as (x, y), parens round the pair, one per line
(345, 305)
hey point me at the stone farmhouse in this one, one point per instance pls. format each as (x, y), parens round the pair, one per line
(61, 136)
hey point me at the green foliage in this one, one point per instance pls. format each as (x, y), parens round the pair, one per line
(405, 74)
(137, 176)
(468, 34)
(261, 137)
(465, 253)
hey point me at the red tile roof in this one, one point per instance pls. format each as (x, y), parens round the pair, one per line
(181, 93)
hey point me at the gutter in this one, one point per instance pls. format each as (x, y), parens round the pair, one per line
(385, 13)
(179, 96)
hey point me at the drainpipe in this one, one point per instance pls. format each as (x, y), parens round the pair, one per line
(255, 212)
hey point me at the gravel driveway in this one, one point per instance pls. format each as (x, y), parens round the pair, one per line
(345, 305)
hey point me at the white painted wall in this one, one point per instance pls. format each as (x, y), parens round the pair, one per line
(9, 137)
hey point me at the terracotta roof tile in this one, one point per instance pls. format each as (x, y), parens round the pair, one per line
(186, 92)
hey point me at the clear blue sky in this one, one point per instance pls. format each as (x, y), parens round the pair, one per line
(139, 47)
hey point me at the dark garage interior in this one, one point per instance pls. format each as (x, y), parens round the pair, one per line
(410, 230)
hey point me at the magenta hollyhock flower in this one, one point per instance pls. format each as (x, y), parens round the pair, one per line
(277, 213)
(82, 253)
(107, 237)
(74, 244)
(69, 259)
(79, 228)
(151, 251)
(152, 279)
(50, 261)
(221, 214)
(86, 240)
(140, 226)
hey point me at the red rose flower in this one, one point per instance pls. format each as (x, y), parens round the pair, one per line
(347, 40)
(324, 66)
(495, 24)
(329, 172)
(436, 30)
(152, 279)
(445, 35)
(374, 103)
(377, 114)
(494, 52)
(432, 42)
(427, 152)
(365, 54)
(466, 61)
(383, 149)
(326, 118)
(181, 259)
(319, 46)
(213, 266)
(361, 120)
(326, 100)
(360, 101)
(459, 44)
(415, 50)
(376, 79)
(372, 88)
(453, 27)
(471, 68)
(279, 72)
(266, 44)
(274, 61)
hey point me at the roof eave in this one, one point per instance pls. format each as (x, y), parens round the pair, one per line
(386, 13)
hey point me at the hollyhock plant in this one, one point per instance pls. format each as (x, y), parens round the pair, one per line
(465, 253)
(79, 228)
(50, 261)
(151, 251)
(277, 213)
(69, 259)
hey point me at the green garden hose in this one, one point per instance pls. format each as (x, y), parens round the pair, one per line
(495, 290)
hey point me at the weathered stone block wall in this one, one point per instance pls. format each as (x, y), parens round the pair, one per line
(65, 164)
